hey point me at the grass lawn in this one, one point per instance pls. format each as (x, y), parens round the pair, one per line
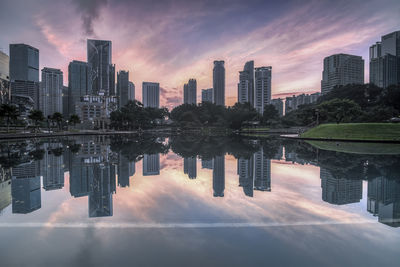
(356, 131)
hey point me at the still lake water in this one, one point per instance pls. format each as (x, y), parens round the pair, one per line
(198, 201)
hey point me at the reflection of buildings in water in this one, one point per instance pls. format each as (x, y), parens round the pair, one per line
(219, 176)
(5, 194)
(125, 170)
(207, 164)
(93, 175)
(384, 200)
(151, 164)
(255, 173)
(190, 167)
(339, 191)
(279, 154)
(101, 189)
(52, 168)
(25, 188)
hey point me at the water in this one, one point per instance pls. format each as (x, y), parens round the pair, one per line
(198, 201)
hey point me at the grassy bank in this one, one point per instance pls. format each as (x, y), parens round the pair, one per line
(356, 131)
(358, 148)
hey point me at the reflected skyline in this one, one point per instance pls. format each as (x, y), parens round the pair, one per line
(97, 168)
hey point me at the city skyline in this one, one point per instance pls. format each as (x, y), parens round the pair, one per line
(155, 53)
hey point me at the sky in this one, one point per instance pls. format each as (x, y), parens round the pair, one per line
(172, 41)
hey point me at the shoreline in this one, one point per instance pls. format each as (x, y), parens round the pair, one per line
(297, 137)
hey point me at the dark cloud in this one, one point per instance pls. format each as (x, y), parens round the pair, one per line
(90, 10)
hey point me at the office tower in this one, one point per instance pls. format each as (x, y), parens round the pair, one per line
(123, 171)
(123, 88)
(219, 83)
(207, 95)
(190, 167)
(101, 189)
(51, 91)
(339, 191)
(219, 176)
(341, 69)
(384, 200)
(151, 94)
(99, 56)
(262, 171)
(131, 91)
(65, 98)
(4, 78)
(24, 72)
(278, 104)
(246, 84)
(80, 176)
(151, 164)
(262, 92)
(51, 168)
(190, 92)
(79, 83)
(25, 188)
(384, 61)
(246, 178)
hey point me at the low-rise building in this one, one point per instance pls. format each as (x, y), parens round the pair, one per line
(94, 110)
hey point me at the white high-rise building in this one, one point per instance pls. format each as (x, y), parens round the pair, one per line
(341, 69)
(151, 94)
(50, 96)
(262, 92)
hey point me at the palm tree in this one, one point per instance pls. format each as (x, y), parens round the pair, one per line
(10, 112)
(36, 116)
(57, 118)
(74, 119)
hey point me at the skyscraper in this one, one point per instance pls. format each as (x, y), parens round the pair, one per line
(151, 94)
(207, 95)
(4, 78)
(190, 92)
(51, 167)
(24, 71)
(219, 83)
(123, 88)
(79, 83)
(246, 84)
(339, 191)
(341, 69)
(219, 176)
(262, 92)
(131, 91)
(51, 91)
(99, 55)
(384, 61)
(151, 164)
(190, 167)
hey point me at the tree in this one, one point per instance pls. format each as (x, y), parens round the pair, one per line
(36, 116)
(74, 119)
(270, 113)
(57, 117)
(10, 112)
(339, 110)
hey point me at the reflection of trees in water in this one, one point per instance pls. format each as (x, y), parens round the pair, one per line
(133, 148)
(208, 147)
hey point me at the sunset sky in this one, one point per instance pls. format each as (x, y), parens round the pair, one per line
(171, 41)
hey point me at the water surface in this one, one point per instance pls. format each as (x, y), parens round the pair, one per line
(197, 201)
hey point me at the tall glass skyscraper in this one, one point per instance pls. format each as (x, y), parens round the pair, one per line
(79, 83)
(51, 91)
(99, 55)
(123, 87)
(151, 94)
(24, 71)
(219, 82)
